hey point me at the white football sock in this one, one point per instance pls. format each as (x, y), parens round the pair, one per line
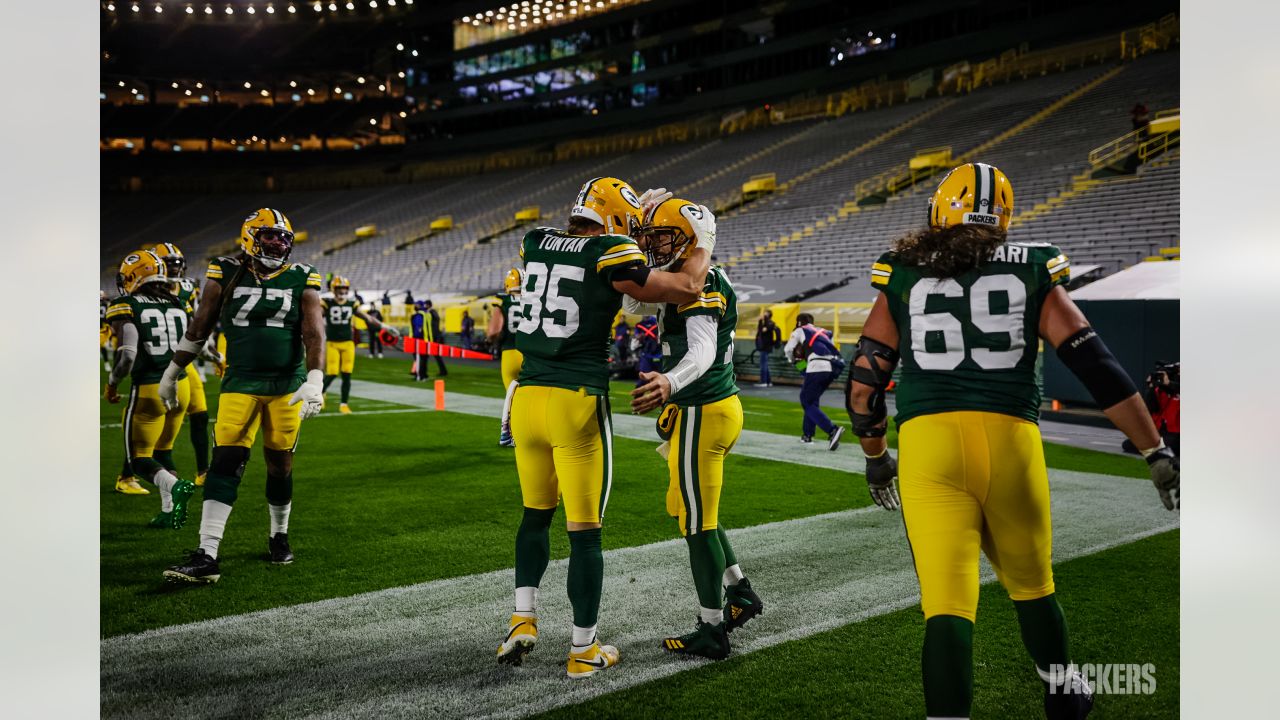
(711, 616)
(213, 522)
(733, 575)
(583, 637)
(165, 480)
(527, 601)
(279, 517)
(506, 405)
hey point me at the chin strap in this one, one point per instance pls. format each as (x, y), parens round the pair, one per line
(871, 424)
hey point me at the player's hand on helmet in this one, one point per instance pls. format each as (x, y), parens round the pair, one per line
(111, 395)
(1164, 474)
(653, 394)
(652, 198)
(168, 389)
(881, 472)
(310, 394)
(704, 228)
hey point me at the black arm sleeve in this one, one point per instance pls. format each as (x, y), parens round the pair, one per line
(637, 273)
(1088, 358)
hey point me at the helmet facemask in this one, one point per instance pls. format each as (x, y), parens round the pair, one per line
(271, 246)
(176, 267)
(662, 244)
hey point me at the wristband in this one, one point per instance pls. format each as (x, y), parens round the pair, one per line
(189, 345)
(315, 377)
(1153, 451)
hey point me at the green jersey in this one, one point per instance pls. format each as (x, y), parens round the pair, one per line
(337, 319)
(564, 320)
(262, 321)
(187, 292)
(719, 303)
(971, 342)
(509, 308)
(161, 323)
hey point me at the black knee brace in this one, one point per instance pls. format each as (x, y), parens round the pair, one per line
(225, 471)
(867, 424)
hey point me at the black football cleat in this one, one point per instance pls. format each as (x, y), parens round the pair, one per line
(278, 544)
(199, 568)
(741, 604)
(1073, 700)
(706, 640)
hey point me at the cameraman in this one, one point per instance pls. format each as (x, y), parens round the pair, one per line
(1164, 404)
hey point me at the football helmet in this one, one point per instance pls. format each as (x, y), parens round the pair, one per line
(267, 236)
(611, 202)
(173, 259)
(667, 234)
(972, 194)
(513, 283)
(138, 269)
(340, 283)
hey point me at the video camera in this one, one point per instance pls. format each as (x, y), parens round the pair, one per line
(1166, 377)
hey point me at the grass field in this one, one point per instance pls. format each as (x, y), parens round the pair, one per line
(394, 496)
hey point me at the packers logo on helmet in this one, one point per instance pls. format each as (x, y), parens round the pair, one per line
(173, 259)
(138, 269)
(513, 283)
(972, 194)
(267, 236)
(339, 283)
(667, 232)
(610, 202)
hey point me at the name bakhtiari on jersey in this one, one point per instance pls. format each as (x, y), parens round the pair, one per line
(566, 308)
(719, 301)
(971, 342)
(161, 323)
(262, 322)
(337, 319)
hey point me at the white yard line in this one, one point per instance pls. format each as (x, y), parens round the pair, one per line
(427, 650)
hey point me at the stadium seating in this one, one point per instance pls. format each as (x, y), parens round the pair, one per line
(798, 231)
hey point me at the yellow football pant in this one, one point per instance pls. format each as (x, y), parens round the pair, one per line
(199, 403)
(340, 356)
(700, 439)
(511, 362)
(148, 427)
(564, 447)
(239, 416)
(970, 481)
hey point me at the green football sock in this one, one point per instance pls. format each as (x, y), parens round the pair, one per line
(706, 559)
(586, 576)
(1044, 631)
(127, 470)
(200, 440)
(346, 387)
(947, 665)
(165, 458)
(729, 558)
(328, 380)
(533, 547)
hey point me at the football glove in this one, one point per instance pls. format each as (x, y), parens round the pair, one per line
(310, 394)
(704, 230)
(881, 472)
(168, 389)
(1164, 474)
(653, 198)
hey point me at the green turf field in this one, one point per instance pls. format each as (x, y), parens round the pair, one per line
(394, 496)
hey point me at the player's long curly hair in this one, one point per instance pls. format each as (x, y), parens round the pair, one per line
(950, 251)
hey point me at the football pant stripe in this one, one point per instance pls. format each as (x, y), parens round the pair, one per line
(689, 468)
(128, 422)
(605, 421)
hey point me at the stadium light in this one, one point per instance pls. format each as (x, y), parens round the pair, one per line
(111, 7)
(187, 92)
(293, 83)
(199, 86)
(134, 8)
(337, 91)
(351, 6)
(208, 10)
(400, 47)
(292, 9)
(190, 9)
(392, 3)
(230, 10)
(159, 8)
(401, 74)
(466, 18)
(250, 10)
(310, 91)
(373, 121)
(265, 93)
(247, 84)
(404, 114)
(333, 7)
(271, 10)
(373, 3)
(414, 53)
(121, 83)
(317, 7)
(174, 86)
(382, 88)
(408, 2)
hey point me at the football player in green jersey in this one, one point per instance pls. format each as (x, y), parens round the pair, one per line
(963, 308)
(271, 319)
(573, 287)
(188, 293)
(149, 321)
(700, 423)
(340, 345)
(502, 334)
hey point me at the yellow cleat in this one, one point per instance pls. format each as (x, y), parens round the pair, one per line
(345, 409)
(521, 637)
(592, 660)
(130, 486)
(200, 479)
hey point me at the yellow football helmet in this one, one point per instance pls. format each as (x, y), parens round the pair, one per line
(173, 259)
(513, 283)
(611, 202)
(972, 194)
(667, 233)
(339, 283)
(267, 236)
(138, 269)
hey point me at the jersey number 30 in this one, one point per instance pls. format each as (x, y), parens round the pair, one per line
(545, 295)
(980, 315)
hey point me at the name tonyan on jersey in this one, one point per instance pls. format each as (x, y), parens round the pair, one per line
(562, 244)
